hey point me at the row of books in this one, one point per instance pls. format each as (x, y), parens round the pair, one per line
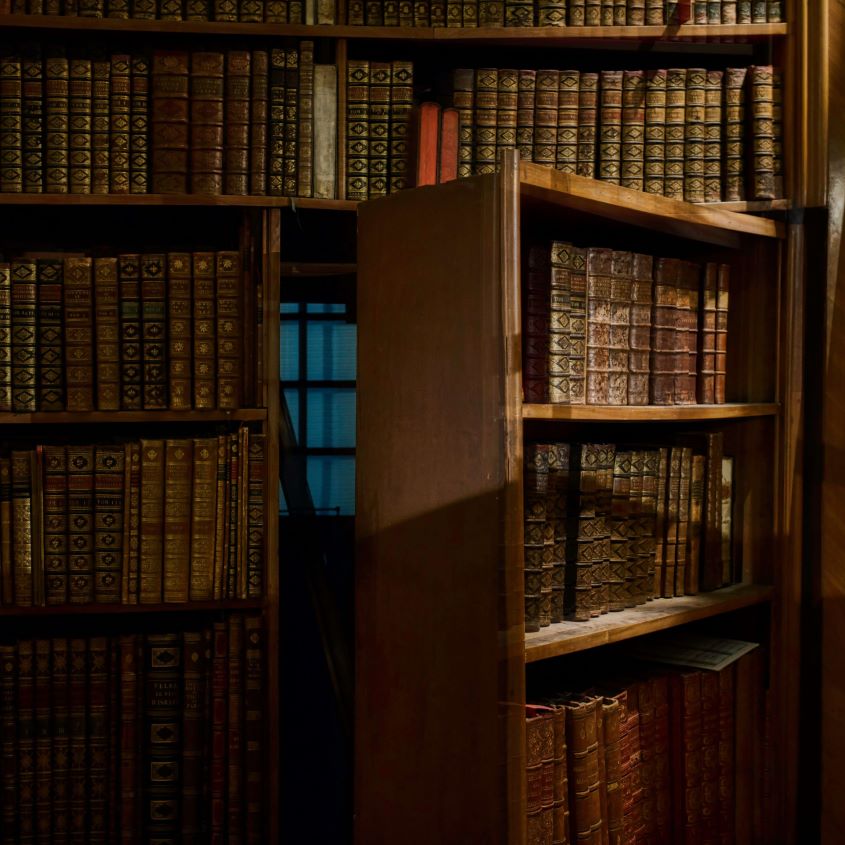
(647, 758)
(239, 122)
(687, 133)
(610, 527)
(609, 327)
(143, 522)
(136, 331)
(134, 738)
(467, 13)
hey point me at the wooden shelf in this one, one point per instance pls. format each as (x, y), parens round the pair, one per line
(656, 615)
(111, 417)
(754, 206)
(178, 199)
(646, 413)
(551, 36)
(300, 269)
(137, 609)
(624, 205)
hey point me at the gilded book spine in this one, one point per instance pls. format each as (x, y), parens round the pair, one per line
(633, 129)
(206, 123)
(276, 154)
(133, 549)
(556, 504)
(649, 532)
(358, 134)
(379, 130)
(673, 180)
(582, 540)
(60, 705)
(22, 562)
(694, 135)
(639, 338)
(153, 331)
(723, 291)
(712, 576)
(546, 102)
(536, 327)
(139, 137)
(258, 123)
(463, 100)
(6, 526)
(151, 521)
(109, 495)
(203, 519)
(604, 495)
(229, 328)
(588, 109)
(11, 124)
(683, 522)
(762, 114)
(401, 104)
(621, 280)
(178, 471)
(686, 333)
(305, 122)
(526, 93)
(713, 136)
(672, 511)
(610, 126)
(8, 738)
(620, 574)
(170, 122)
(5, 337)
(51, 393)
(291, 122)
(221, 517)
(236, 123)
(582, 744)
(80, 506)
(119, 123)
(233, 493)
(131, 360)
(506, 106)
(559, 322)
(24, 321)
(32, 112)
(707, 337)
(205, 331)
(484, 131)
(655, 131)
(251, 11)
(777, 131)
(734, 127)
(56, 524)
(79, 329)
(599, 263)
(578, 327)
(660, 521)
(255, 516)
(179, 335)
(100, 124)
(107, 332)
(56, 122)
(79, 138)
(567, 121)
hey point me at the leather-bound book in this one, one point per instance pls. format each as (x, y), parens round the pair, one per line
(79, 126)
(637, 563)
(162, 751)
(119, 123)
(706, 383)
(675, 134)
(178, 471)
(36, 474)
(406, 13)
(107, 333)
(11, 124)
(205, 331)
(635, 12)
(55, 525)
(6, 524)
(32, 113)
(774, 11)
(777, 130)
(251, 11)
(526, 92)
(170, 121)
(713, 136)
(535, 491)
(592, 13)
(621, 576)
(582, 751)
(401, 103)
(139, 136)
(648, 524)
(633, 129)
(506, 107)
(56, 122)
(203, 517)
(59, 713)
(229, 328)
(305, 122)
(78, 696)
(80, 506)
(759, 11)
(643, 689)
(237, 122)
(98, 734)
(699, 11)
(709, 757)
(193, 737)
(484, 132)
(233, 494)
(578, 326)
(546, 101)
(379, 130)
(234, 784)
(728, 575)
(661, 516)
(536, 326)
(26, 741)
(296, 11)
(685, 703)
(289, 158)
(221, 524)
(556, 504)
(144, 9)
(454, 13)
(604, 497)
(580, 547)
(109, 492)
(588, 110)
(24, 335)
(696, 510)
(655, 132)
(219, 702)
(79, 330)
(683, 521)
(463, 99)
(253, 734)
(518, 13)
(610, 126)
(743, 11)
(357, 128)
(726, 819)
(129, 735)
(152, 521)
(258, 129)
(729, 11)
(539, 743)
(5, 337)
(686, 363)
(132, 551)
(422, 13)
(663, 331)
(179, 334)
(734, 132)
(723, 291)
(447, 167)
(621, 275)
(206, 123)
(197, 10)
(490, 13)
(612, 716)
(567, 121)
(225, 10)
(8, 737)
(559, 322)
(438, 12)
(712, 576)
(131, 348)
(575, 13)
(599, 269)
(43, 742)
(51, 394)
(694, 134)
(551, 13)
(153, 330)
(100, 123)
(255, 517)
(671, 522)
(639, 336)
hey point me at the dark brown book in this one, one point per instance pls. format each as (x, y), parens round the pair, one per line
(535, 492)
(170, 123)
(655, 132)
(709, 758)
(560, 290)
(578, 327)
(5, 337)
(632, 168)
(32, 124)
(664, 330)
(179, 334)
(236, 123)
(219, 707)
(305, 122)
(129, 736)
(233, 492)
(206, 123)
(588, 110)
(484, 130)
(151, 521)
(582, 747)
(276, 140)
(506, 108)
(539, 738)
(612, 717)
(132, 552)
(229, 329)
(11, 123)
(79, 331)
(234, 750)
(619, 346)
(694, 134)
(556, 508)
(711, 561)
(599, 270)
(401, 104)
(685, 703)
(205, 331)
(139, 135)
(79, 126)
(580, 550)
(59, 810)
(671, 523)
(80, 503)
(604, 499)
(178, 471)
(8, 737)
(378, 114)
(734, 132)
(193, 736)
(78, 696)
(258, 128)
(131, 344)
(696, 511)
(723, 291)
(536, 326)
(154, 330)
(100, 123)
(777, 131)
(50, 367)
(681, 547)
(621, 523)
(98, 736)
(726, 822)
(56, 122)
(291, 122)
(43, 742)
(675, 133)
(255, 517)
(546, 102)
(526, 93)
(22, 558)
(6, 523)
(660, 519)
(706, 384)
(55, 525)
(463, 100)
(686, 335)
(254, 732)
(109, 471)
(567, 121)
(357, 129)
(24, 335)
(26, 740)
(639, 337)
(203, 517)
(107, 333)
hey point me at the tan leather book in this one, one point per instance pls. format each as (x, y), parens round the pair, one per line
(151, 534)
(80, 505)
(621, 283)
(599, 271)
(546, 102)
(463, 99)
(639, 335)
(694, 134)
(203, 518)
(179, 331)
(11, 150)
(734, 132)
(107, 333)
(526, 91)
(325, 131)
(178, 474)
(649, 532)
(401, 104)
(206, 122)
(655, 130)
(567, 121)
(229, 329)
(290, 145)
(660, 522)
(610, 126)
(79, 330)
(588, 111)
(676, 87)
(578, 327)
(637, 564)
(109, 492)
(21, 521)
(762, 137)
(506, 109)
(706, 383)
(633, 129)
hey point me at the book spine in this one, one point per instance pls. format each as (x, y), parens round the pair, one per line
(438, 12)
(535, 487)
(8, 739)
(305, 122)
(107, 333)
(686, 713)
(56, 122)
(610, 126)
(621, 576)
(586, 537)
(22, 529)
(6, 360)
(80, 505)
(759, 11)
(526, 93)
(231, 528)
(151, 521)
(604, 497)
(706, 388)
(721, 339)
(556, 504)
(639, 337)
(612, 715)
(119, 124)
(179, 334)
(683, 521)
(357, 129)
(24, 322)
(131, 361)
(694, 134)
(291, 122)
(695, 522)
(256, 515)
(727, 506)
(578, 327)
(713, 136)
(36, 474)
(100, 124)
(379, 130)
(672, 507)
(80, 114)
(253, 733)
(546, 103)
(163, 717)
(655, 132)
(11, 124)
(638, 557)
(43, 743)
(463, 99)
(219, 731)
(551, 13)
(79, 329)
(559, 322)
(109, 469)
(664, 329)
(276, 150)
(221, 516)
(251, 11)
(139, 138)
(225, 10)
(98, 734)
(6, 524)
(536, 326)
(112, 772)
(588, 99)
(193, 737)
(777, 131)
(635, 12)
(633, 129)
(649, 530)
(582, 745)
(206, 124)
(729, 11)
(484, 130)
(258, 129)
(79, 755)
(57, 809)
(686, 333)
(325, 131)
(620, 326)
(50, 347)
(229, 323)
(32, 112)
(203, 518)
(234, 779)
(401, 104)
(235, 167)
(539, 737)
(128, 754)
(725, 770)
(26, 742)
(567, 121)
(178, 471)
(55, 525)
(205, 331)
(506, 108)
(134, 539)
(762, 113)
(153, 331)
(170, 122)
(734, 127)
(599, 264)
(422, 13)
(675, 146)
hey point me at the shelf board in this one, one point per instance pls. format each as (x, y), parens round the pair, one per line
(649, 413)
(178, 199)
(137, 609)
(299, 269)
(656, 615)
(552, 36)
(112, 417)
(753, 206)
(676, 217)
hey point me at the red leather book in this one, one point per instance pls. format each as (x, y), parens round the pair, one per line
(726, 789)
(685, 703)
(721, 332)
(60, 707)
(425, 142)
(535, 330)
(706, 386)
(219, 702)
(710, 758)
(113, 771)
(129, 794)
(664, 328)
(711, 560)
(449, 128)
